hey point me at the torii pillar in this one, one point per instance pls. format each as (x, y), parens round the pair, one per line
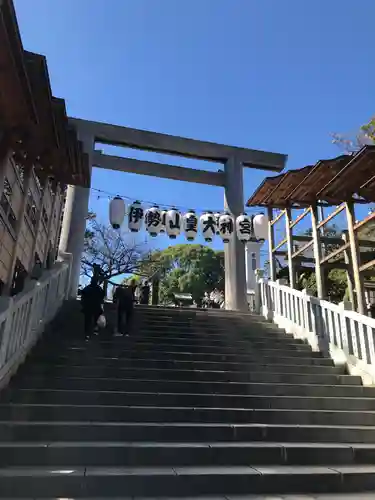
(74, 221)
(234, 251)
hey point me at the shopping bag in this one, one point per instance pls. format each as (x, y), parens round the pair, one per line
(102, 322)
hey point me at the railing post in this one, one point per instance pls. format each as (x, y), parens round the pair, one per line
(308, 325)
(271, 244)
(317, 246)
(349, 271)
(355, 259)
(7, 331)
(289, 242)
(345, 328)
(264, 297)
(281, 308)
(259, 273)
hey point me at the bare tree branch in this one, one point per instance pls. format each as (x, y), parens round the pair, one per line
(116, 253)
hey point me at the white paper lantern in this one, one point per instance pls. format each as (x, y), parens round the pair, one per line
(217, 218)
(173, 223)
(208, 226)
(226, 227)
(244, 227)
(153, 221)
(163, 221)
(190, 225)
(135, 216)
(116, 212)
(260, 224)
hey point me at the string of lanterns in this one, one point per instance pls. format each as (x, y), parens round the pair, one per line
(172, 222)
(102, 194)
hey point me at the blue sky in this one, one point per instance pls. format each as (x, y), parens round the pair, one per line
(265, 74)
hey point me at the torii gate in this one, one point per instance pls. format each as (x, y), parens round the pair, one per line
(233, 158)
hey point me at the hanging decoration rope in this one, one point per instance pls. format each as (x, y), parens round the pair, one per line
(158, 220)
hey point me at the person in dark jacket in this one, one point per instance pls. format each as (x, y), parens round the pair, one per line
(124, 298)
(92, 298)
(144, 294)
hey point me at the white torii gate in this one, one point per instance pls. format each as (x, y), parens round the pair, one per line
(233, 159)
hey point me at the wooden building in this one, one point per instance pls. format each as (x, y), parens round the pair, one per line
(339, 184)
(39, 155)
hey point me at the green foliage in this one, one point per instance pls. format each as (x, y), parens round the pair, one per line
(133, 278)
(337, 285)
(187, 268)
(353, 143)
(369, 129)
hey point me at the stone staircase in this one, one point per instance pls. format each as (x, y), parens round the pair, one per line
(194, 404)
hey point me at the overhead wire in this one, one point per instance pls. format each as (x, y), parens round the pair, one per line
(101, 193)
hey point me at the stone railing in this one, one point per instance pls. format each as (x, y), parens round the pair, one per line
(24, 317)
(335, 330)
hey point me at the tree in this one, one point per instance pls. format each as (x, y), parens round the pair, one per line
(330, 231)
(116, 253)
(354, 142)
(336, 283)
(193, 269)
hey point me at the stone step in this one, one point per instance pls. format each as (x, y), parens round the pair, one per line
(208, 323)
(86, 358)
(198, 339)
(340, 496)
(196, 350)
(154, 414)
(72, 482)
(217, 332)
(42, 431)
(154, 454)
(139, 346)
(112, 397)
(191, 404)
(170, 364)
(304, 358)
(189, 375)
(193, 387)
(212, 327)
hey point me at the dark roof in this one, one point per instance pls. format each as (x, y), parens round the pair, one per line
(345, 178)
(35, 123)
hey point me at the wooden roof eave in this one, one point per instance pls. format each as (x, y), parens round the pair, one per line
(267, 185)
(287, 185)
(323, 169)
(61, 167)
(20, 111)
(45, 133)
(286, 194)
(332, 186)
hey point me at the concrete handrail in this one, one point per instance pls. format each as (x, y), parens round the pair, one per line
(24, 316)
(334, 329)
